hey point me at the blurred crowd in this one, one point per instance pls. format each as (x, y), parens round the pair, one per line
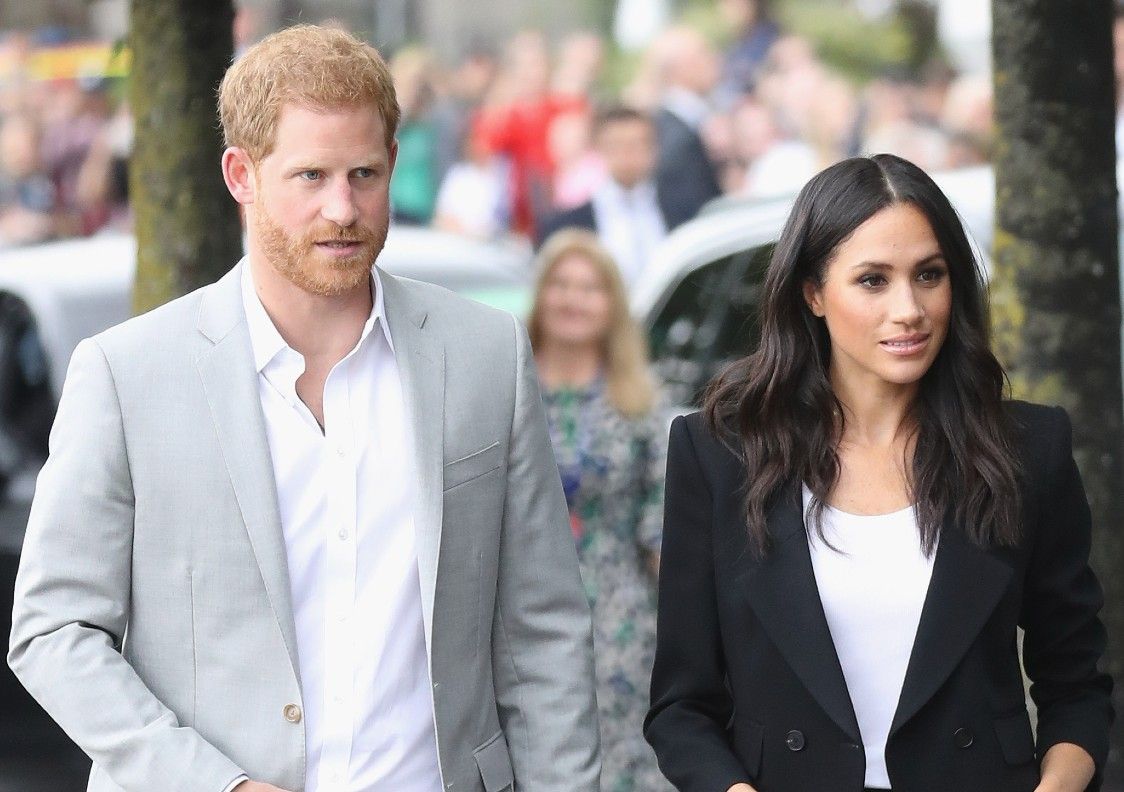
(517, 140)
(64, 143)
(532, 135)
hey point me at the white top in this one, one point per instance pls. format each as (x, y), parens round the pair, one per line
(473, 195)
(346, 502)
(872, 586)
(629, 225)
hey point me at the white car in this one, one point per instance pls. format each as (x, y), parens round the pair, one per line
(698, 297)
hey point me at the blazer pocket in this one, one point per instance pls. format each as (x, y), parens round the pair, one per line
(463, 470)
(494, 763)
(1015, 738)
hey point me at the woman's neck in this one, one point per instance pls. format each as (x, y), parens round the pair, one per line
(568, 365)
(878, 415)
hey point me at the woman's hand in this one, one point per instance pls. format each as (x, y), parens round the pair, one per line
(1066, 768)
(741, 788)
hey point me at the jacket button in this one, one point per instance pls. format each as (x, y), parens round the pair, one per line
(292, 713)
(963, 738)
(794, 740)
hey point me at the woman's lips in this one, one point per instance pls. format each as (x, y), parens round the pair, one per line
(905, 346)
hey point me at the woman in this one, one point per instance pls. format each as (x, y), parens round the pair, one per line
(857, 523)
(608, 441)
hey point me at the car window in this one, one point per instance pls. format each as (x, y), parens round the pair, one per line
(708, 320)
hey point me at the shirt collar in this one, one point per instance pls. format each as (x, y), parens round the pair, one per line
(267, 342)
(641, 193)
(689, 107)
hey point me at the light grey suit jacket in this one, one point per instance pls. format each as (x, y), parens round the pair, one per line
(153, 618)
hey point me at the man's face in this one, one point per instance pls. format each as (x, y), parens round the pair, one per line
(629, 150)
(321, 207)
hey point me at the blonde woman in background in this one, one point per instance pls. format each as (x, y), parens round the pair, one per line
(609, 441)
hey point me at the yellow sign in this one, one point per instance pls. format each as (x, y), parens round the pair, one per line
(68, 62)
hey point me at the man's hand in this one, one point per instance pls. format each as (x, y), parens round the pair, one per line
(741, 788)
(256, 786)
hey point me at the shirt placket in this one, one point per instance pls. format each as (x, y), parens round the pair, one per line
(339, 602)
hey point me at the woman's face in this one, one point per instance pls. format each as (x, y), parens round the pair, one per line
(575, 303)
(886, 300)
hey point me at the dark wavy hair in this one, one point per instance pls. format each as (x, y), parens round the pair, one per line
(776, 409)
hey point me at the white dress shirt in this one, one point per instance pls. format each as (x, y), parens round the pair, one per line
(345, 496)
(872, 586)
(629, 224)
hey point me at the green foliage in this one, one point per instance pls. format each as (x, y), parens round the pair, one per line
(848, 41)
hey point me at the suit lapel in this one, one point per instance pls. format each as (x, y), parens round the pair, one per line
(782, 592)
(230, 382)
(420, 356)
(967, 583)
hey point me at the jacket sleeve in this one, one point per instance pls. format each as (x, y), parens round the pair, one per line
(691, 703)
(72, 601)
(542, 634)
(1064, 638)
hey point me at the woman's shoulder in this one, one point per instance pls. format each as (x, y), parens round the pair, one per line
(1035, 423)
(707, 443)
(1043, 435)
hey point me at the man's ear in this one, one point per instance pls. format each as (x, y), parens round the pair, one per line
(812, 297)
(238, 173)
(392, 154)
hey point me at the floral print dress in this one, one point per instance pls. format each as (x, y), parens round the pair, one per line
(612, 469)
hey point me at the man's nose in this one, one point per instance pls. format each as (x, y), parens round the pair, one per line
(339, 204)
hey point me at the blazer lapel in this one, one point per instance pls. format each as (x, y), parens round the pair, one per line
(230, 381)
(967, 583)
(782, 592)
(420, 356)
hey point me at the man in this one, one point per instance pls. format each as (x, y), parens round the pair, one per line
(627, 211)
(302, 529)
(688, 70)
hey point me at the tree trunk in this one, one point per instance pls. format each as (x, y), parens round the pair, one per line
(187, 225)
(1056, 285)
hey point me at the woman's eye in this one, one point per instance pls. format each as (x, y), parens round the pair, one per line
(872, 280)
(932, 275)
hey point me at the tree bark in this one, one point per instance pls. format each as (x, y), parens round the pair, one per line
(187, 225)
(1056, 282)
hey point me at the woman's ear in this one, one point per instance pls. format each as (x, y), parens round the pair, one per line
(812, 298)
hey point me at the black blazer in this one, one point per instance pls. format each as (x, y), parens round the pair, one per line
(747, 685)
(685, 176)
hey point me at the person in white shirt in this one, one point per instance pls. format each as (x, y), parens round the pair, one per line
(302, 529)
(626, 210)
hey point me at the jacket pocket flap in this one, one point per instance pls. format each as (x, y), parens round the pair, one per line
(1015, 738)
(495, 764)
(474, 465)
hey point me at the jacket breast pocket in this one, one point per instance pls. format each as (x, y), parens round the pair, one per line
(472, 466)
(494, 763)
(1015, 738)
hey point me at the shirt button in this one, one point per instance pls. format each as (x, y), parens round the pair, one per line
(343, 534)
(794, 740)
(292, 713)
(341, 451)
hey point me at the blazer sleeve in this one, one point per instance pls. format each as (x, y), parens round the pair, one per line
(542, 634)
(72, 601)
(1064, 638)
(691, 703)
